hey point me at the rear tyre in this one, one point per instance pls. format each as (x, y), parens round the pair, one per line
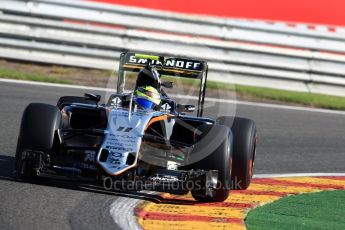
(219, 160)
(244, 149)
(37, 133)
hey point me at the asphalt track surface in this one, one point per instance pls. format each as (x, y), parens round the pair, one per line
(290, 141)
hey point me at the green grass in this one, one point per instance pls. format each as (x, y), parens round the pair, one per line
(18, 75)
(323, 210)
(307, 99)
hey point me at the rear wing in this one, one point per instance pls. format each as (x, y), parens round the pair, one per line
(171, 66)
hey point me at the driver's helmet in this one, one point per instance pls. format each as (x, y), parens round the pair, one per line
(149, 76)
(147, 97)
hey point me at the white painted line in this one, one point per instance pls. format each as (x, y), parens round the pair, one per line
(22, 82)
(122, 212)
(297, 175)
(226, 101)
(266, 105)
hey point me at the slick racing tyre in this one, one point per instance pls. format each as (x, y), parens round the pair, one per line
(244, 149)
(219, 159)
(37, 135)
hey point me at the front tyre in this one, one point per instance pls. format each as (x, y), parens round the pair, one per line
(219, 159)
(37, 135)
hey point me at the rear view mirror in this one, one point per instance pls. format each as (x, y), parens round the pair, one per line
(93, 97)
(168, 84)
(185, 108)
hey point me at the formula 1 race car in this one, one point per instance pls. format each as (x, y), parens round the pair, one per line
(142, 139)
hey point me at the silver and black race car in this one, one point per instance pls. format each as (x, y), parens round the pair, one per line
(130, 148)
